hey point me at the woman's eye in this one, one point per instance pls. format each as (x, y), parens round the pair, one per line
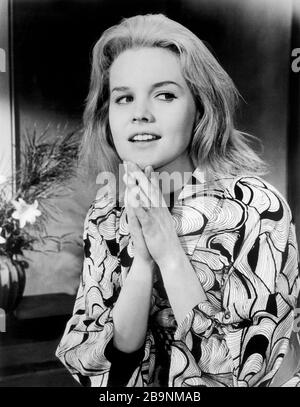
(167, 96)
(122, 99)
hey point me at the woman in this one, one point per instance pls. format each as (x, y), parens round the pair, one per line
(200, 292)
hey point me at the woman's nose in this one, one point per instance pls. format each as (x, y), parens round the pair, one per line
(142, 112)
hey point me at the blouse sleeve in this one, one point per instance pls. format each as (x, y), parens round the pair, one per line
(86, 345)
(243, 341)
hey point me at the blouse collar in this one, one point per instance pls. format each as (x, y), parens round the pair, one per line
(193, 185)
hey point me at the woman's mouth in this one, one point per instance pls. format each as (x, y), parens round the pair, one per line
(144, 138)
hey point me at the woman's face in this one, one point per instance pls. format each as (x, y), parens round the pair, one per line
(149, 96)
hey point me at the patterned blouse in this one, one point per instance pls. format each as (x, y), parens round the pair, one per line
(239, 236)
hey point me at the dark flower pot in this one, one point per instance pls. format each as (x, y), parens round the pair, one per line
(12, 283)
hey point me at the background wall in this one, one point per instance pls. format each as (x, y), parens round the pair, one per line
(53, 40)
(6, 122)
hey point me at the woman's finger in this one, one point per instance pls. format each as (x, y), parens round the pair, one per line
(157, 199)
(136, 232)
(144, 181)
(133, 222)
(141, 178)
(160, 202)
(137, 196)
(133, 215)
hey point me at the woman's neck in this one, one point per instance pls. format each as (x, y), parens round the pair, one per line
(173, 176)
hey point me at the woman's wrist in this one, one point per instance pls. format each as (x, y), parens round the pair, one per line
(141, 269)
(172, 257)
(141, 261)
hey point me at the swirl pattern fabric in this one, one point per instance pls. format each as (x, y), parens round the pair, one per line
(239, 236)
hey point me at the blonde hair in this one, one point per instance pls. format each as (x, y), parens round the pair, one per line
(215, 144)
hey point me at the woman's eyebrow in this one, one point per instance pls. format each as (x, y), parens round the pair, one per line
(154, 86)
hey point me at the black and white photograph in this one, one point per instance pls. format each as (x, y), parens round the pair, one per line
(149, 196)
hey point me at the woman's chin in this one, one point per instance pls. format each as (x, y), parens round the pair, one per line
(143, 164)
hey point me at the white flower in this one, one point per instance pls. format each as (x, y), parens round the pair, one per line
(2, 239)
(25, 212)
(3, 179)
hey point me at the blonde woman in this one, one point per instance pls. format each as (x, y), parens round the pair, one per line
(193, 283)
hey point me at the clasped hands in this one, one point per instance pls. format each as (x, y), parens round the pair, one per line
(150, 223)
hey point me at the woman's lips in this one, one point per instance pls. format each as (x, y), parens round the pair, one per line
(135, 137)
(144, 142)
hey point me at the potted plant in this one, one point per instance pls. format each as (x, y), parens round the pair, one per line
(26, 204)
